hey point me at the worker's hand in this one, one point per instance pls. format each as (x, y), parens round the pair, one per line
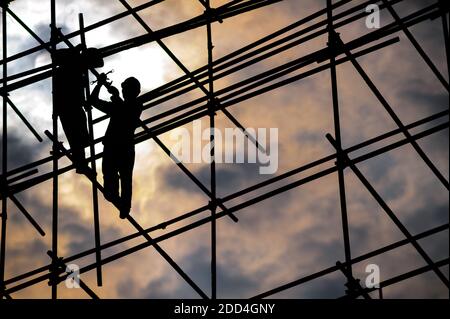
(80, 47)
(113, 91)
(102, 79)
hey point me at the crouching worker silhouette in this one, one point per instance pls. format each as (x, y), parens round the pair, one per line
(118, 150)
(69, 96)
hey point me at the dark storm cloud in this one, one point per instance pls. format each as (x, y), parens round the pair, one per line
(126, 288)
(230, 177)
(81, 237)
(432, 102)
(37, 248)
(380, 167)
(378, 170)
(230, 283)
(437, 246)
(311, 137)
(24, 43)
(309, 241)
(431, 215)
(157, 289)
(79, 233)
(39, 210)
(326, 255)
(233, 284)
(328, 287)
(195, 266)
(20, 150)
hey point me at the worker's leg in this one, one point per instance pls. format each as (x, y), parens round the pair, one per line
(74, 128)
(110, 175)
(82, 141)
(126, 181)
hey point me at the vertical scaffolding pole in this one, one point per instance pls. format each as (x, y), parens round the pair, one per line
(445, 33)
(4, 155)
(211, 106)
(337, 130)
(98, 256)
(416, 45)
(55, 151)
(392, 113)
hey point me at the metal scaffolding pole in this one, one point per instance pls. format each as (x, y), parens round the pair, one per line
(212, 114)
(188, 73)
(416, 45)
(355, 260)
(76, 33)
(353, 284)
(62, 268)
(327, 58)
(274, 180)
(142, 137)
(445, 33)
(171, 85)
(197, 84)
(88, 109)
(194, 23)
(261, 91)
(238, 207)
(402, 277)
(348, 162)
(3, 181)
(92, 177)
(393, 114)
(337, 130)
(135, 224)
(55, 150)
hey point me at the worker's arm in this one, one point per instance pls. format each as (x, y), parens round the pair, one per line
(95, 101)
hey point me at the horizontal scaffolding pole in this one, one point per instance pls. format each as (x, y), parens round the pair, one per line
(16, 179)
(357, 8)
(116, 202)
(62, 269)
(193, 23)
(294, 65)
(355, 260)
(311, 165)
(77, 33)
(221, 214)
(151, 95)
(202, 110)
(226, 62)
(221, 13)
(347, 162)
(392, 113)
(22, 176)
(402, 277)
(144, 135)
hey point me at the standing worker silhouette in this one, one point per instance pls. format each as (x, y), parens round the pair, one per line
(118, 150)
(70, 76)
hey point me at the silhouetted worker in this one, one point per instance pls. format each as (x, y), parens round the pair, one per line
(118, 150)
(73, 65)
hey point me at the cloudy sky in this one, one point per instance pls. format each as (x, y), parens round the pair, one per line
(277, 240)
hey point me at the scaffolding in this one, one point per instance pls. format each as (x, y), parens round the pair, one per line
(334, 53)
